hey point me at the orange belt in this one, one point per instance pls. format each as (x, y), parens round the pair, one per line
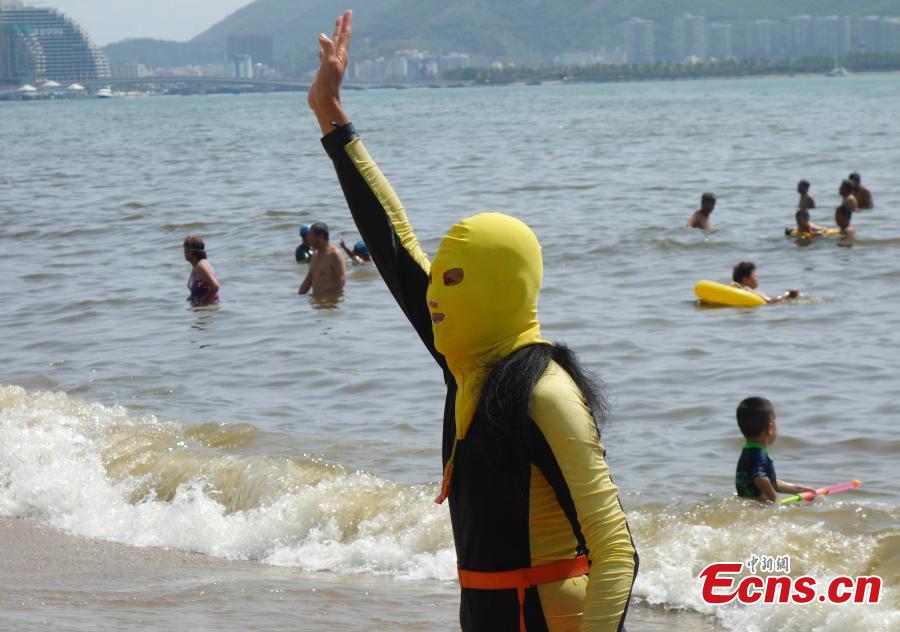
(522, 578)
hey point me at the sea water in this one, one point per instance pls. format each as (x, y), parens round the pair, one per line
(303, 435)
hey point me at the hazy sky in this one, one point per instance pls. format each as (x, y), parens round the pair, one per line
(111, 20)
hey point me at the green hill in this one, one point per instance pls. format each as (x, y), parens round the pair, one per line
(524, 31)
(161, 53)
(533, 31)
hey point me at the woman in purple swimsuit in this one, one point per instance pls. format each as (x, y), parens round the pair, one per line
(202, 283)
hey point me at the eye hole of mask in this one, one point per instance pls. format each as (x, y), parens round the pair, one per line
(454, 276)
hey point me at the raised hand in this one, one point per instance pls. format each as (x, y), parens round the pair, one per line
(324, 95)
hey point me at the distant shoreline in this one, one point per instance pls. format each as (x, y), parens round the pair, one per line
(577, 81)
(13, 94)
(850, 64)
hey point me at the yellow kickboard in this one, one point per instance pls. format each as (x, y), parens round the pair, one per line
(721, 294)
(829, 232)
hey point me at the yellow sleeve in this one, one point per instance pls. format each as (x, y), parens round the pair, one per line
(384, 226)
(561, 415)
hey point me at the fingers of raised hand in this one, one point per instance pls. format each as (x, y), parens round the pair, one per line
(343, 28)
(326, 45)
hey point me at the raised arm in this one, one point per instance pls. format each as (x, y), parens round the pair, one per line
(345, 249)
(324, 96)
(376, 209)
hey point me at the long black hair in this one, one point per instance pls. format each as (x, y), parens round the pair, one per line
(507, 396)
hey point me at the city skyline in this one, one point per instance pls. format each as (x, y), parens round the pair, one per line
(140, 18)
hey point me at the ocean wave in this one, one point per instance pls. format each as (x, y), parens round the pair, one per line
(96, 471)
(823, 540)
(99, 471)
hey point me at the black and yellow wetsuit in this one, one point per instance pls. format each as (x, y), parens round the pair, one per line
(558, 503)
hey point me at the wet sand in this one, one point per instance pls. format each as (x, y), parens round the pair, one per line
(50, 580)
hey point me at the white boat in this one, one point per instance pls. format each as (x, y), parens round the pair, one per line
(107, 93)
(838, 70)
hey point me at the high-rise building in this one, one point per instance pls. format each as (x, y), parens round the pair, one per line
(891, 35)
(129, 70)
(869, 39)
(847, 28)
(689, 36)
(831, 35)
(21, 57)
(719, 43)
(398, 68)
(453, 61)
(243, 67)
(878, 35)
(639, 41)
(799, 36)
(761, 39)
(41, 43)
(260, 46)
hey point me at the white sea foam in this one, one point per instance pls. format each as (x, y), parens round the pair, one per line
(97, 471)
(676, 545)
(55, 454)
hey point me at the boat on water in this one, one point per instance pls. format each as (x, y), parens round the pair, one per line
(107, 93)
(837, 71)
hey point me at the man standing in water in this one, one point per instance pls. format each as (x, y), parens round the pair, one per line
(863, 195)
(327, 272)
(700, 219)
(849, 200)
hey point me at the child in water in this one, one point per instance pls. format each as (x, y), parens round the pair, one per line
(743, 276)
(842, 216)
(805, 228)
(806, 200)
(755, 476)
(360, 252)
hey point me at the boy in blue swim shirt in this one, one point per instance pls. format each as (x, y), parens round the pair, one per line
(755, 477)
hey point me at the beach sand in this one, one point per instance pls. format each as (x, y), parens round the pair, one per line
(51, 580)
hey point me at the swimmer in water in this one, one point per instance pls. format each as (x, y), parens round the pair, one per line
(805, 228)
(863, 195)
(755, 475)
(700, 218)
(303, 253)
(202, 283)
(806, 200)
(848, 198)
(541, 539)
(327, 272)
(743, 276)
(359, 254)
(842, 217)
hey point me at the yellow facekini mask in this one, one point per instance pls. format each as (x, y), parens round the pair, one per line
(492, 311)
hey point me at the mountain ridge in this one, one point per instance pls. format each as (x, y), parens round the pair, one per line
(522, 31)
